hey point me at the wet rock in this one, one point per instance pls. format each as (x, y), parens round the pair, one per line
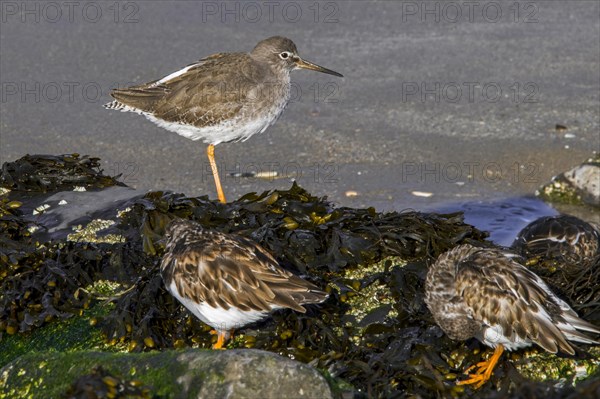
(56, 215)
(580, 185)
(178, 374)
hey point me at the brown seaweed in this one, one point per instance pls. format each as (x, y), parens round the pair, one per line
(392, 350)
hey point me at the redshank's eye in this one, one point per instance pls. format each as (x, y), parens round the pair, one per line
(284, 55)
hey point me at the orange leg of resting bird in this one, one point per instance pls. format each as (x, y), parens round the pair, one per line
(484, 369)
(210, 151)
(221, 338)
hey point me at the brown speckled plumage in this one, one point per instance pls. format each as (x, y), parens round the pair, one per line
(206, 94)
(563, 238)
(470, 289)
(227, 280)
(486, 293)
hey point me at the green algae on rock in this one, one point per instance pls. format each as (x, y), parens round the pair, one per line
(170, 374)
(69, 335)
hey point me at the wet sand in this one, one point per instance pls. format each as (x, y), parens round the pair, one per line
(450, 107)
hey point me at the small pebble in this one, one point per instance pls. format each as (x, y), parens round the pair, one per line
(267, 175)
(421, 194)
(560, 128)
(40, 209)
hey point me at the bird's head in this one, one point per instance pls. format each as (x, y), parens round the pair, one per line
(281, 53)
(179, 229)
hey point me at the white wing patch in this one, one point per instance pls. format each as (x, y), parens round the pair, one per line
(174, 75)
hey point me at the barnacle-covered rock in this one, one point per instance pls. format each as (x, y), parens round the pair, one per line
(89, 233)
(580, 185)
(538, 365)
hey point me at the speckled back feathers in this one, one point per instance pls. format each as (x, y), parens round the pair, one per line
(229, 271)
(486, 293)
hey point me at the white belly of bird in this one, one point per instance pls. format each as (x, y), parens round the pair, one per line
(240, 128)
(494, 336)
(218, 318)
(233, 130)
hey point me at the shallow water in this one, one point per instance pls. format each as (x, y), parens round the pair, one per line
(503, 218)
(368, 132)
(58, 213)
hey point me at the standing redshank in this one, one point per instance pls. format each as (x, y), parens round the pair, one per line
(224, 97)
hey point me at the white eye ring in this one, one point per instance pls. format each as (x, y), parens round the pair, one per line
(285, 55)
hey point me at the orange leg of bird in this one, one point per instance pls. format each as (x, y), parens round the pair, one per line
(210, 151)
(222, 336)
(484, 369)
